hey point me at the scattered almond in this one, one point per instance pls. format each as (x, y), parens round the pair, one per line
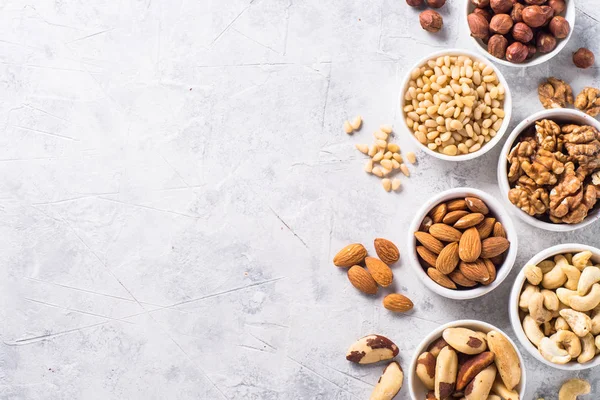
(361, 279)
(350, 255)
(397, 302)
(379, 271)
(440, 278)
(386, 251)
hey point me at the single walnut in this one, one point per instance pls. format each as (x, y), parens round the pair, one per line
(546, 134)
(532, 201)
(497, 46)
(431, 21)
(589, 101)
(583, 145)
(521, 152)
(569, 202)
(555, 93)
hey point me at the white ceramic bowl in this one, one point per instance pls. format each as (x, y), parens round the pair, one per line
(513, 307)
(415, 386)
(561, 115)
(539, 58)
(501, 215)
(507, 106)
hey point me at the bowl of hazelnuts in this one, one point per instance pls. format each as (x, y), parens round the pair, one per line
(520, 33)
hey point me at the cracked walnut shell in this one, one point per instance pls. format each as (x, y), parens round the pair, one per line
(589, 101)
(555, 93)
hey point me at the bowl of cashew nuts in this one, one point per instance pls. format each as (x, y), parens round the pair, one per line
(555, 306)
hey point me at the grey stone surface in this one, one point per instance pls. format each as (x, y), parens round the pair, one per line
(175, 181)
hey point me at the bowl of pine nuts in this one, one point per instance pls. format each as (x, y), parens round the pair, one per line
(455, 104)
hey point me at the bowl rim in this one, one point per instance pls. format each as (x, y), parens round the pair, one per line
(501, 214)
(467, 323)
(513, 305)
(502, 171)
(507, 105)
(536, 60)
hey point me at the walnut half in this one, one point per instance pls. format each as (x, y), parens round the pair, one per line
(588, 101)
(555, 93)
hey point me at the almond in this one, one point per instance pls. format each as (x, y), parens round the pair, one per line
(475, 271)
(350, 255)
(379, 271)
(429, 242)
(494, 246)
(426, 224)
(469, 248)
(454, 216)
(497, 261)
(362, 280)
(428, 256)
(386, 250)
(397, 302)
(476, 205)
(469, 220)
(499, 230)
(445, 233)
(491, 268)
(460, 279)
(438, 212)
(455, 205)
(447, 259)
(440, 278)
(485, 227)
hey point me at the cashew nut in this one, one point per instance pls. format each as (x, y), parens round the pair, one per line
(597, 342)
(526, 294)
(589, 276)
(587, 302)
(560, 323)
(533, 274)
(555, 278)
(532, 331)
(595, 321)
(565, 295)
(579, 322)
(551, 352)
(573, 388)
(568, 341)
(589, 349)
(550, 299)
(572, 274)
(548, 328)
(580, 260)
(546, 266)
(537, 310)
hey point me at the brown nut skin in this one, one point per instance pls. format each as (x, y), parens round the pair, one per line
(485, 12)
(502, 6)
(497, 46)
(532, 50)
(535, 2)
(415, 3)
(501, 23)
(558, 6)
(471, 367)
(521, 32)
(534, 16)
(545, 42)
(517, 13)
(548, 12)
(431, 21)
(435, 3)
(517, 52)
(583, 58)
(559, 27)
(478, 25)
(481, 3)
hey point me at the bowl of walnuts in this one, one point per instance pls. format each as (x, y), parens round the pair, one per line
(520, 33)
(549, 170)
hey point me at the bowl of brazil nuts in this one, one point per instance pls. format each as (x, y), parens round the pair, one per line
(467, 358)
(554, 306)
(455, 104)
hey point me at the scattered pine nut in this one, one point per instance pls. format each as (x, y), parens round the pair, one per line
(410, 156)
(377, 171)
(380, 135)
(396, 184)
(404, 169)
(356, 122)
(363, 148)
(395, 164)
(387, 184)
(393, 147)
(378, 157)
(388, 155)
(347, 127)
(386, 128)
(397, 157)
(372, 151)
(387, 164)
(382, 144)
(385, 171)
(369, 166)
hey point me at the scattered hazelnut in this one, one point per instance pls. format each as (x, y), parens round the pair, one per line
(559, 27)
(435, 3)
(431, 21)
(502, 6)
(545, 42)
(481, 3)
(487, 14)
(522, 33)
(583, 58)
(497, 46)
(531, 50)
(501, 23)
(516, 12)
(558, 6)
(414, 3)
(478, 25)
(517, 52)
(534, 16)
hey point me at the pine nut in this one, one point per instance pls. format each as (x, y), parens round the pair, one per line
(387, 164)
(372, 151)
(356, 122)
(381, 143)
(396, 184)
(347, 127)
(377, 171)
(451, 150)
(387, 184)
(386, 128)
(397, 157)
(388, 155)
(378, 157)
(404, 169)
(380, 135)
(393, 147)
(410, 156)
(395, 164)
(369, 166)
(363, 148)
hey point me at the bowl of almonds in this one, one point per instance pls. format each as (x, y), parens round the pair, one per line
(455, 104)
(463, 243)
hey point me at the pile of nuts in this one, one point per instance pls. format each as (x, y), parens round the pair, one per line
(462, 244)
(518, 29)
(374, 348)
(430, 20)
(554, 171)
(556, 93)
(454, 105)
(377, 271)
(560, 307)
(470, 364)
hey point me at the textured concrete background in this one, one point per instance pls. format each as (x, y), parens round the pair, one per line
(175, 181)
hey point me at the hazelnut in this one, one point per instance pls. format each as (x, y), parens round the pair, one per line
(548, 12)
(534, 16)
(431, 21)
(535, 2)
(502, 6)
(497, 46)
(558, 6)
(414, 3)
(501, 23)
(522, 33)
(481, 3)
(516, 12)
(487, 14)
(517, 52)
(583, 58)
(545, 42)
(435, 3)
(559, 27)
(532, 50)
(478, 25)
